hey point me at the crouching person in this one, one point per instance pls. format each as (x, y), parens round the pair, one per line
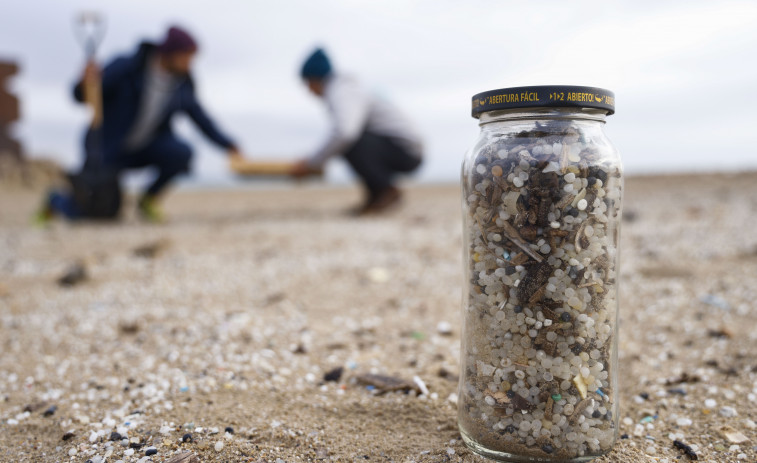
(373, 136)
(141, 93)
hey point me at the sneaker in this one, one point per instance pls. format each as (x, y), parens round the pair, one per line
(42, 218)
(388, 199)
(150, 210)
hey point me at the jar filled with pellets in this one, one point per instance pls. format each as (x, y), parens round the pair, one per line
(542, 190)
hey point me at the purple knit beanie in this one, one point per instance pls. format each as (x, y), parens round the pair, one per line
(177, 40)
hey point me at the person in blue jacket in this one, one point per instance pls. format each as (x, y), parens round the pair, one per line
(140, 94)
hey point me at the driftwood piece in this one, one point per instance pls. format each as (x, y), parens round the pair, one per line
(184, 457)
(264, 168)
(512, 234)
(384, 384)
(579, 409)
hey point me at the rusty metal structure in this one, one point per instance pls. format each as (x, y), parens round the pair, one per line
(9, 111)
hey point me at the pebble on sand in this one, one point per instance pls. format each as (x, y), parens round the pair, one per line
(732, 435)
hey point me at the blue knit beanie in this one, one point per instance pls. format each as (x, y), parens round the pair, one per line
(317, 66)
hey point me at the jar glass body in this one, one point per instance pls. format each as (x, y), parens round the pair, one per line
(542, 192)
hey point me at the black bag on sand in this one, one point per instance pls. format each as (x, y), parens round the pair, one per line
(96, 193)
(96, 190)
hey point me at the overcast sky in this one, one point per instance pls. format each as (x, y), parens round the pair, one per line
(683, 72)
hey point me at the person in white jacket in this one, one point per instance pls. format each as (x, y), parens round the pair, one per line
(372, 135)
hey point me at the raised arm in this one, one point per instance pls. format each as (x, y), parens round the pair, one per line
(110, 76)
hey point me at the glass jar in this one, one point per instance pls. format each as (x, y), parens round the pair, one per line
(542, 190)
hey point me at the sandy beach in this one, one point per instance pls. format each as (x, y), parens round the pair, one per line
(229, 316)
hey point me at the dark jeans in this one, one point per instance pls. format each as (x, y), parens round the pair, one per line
(167, 153)
(377, 159)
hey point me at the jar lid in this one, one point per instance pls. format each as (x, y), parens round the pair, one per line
(544, 96)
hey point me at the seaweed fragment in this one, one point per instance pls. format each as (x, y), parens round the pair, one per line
(686, 449)
(536, 277)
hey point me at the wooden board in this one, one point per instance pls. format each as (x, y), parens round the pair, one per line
(262, 168)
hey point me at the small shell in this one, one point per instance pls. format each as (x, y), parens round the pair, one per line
(581, 386)
(567, 199)
(581, 241)
(733, 436)
(581, 195)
